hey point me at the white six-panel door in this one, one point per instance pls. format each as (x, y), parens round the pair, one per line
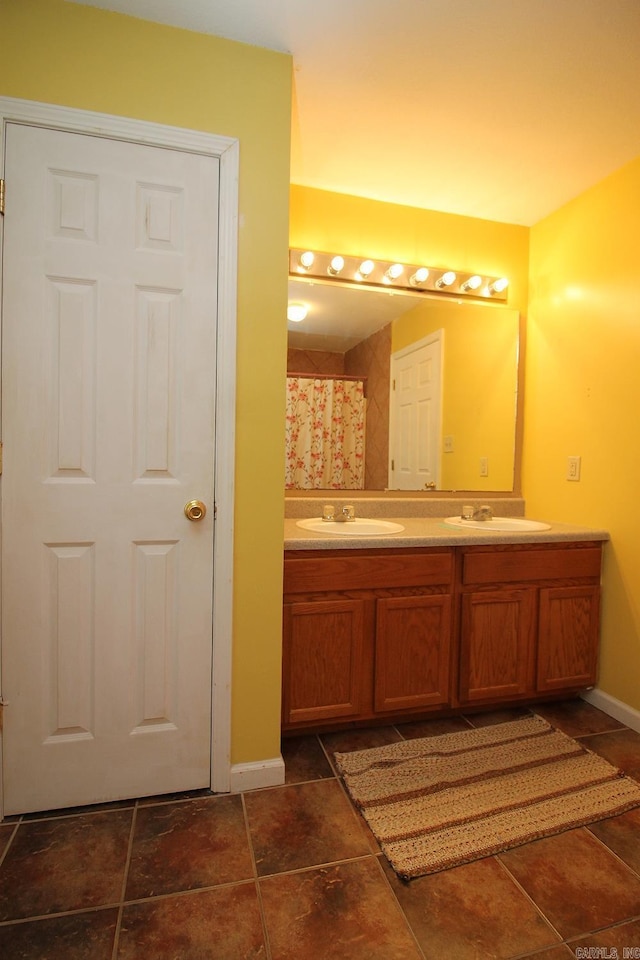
(415, 416)
(108, 388)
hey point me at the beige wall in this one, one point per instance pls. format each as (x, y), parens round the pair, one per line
(583, 396)
(81, 57)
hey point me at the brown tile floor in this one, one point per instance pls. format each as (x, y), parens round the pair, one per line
(292, 872)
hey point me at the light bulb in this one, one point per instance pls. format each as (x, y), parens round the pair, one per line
(366, 269)
(394, 271)
(446, 279)
(297, 312)
(335, 266)
(498, 286)
(419, 276)
(306, 259)
(472, 283)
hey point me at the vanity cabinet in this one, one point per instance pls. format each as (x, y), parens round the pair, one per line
(392, 634)
(529, 620)
(366, 634)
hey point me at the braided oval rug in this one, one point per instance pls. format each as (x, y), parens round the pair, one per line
(437, 802)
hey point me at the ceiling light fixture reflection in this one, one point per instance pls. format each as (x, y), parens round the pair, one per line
(420, 276)
(499, 286)
(393, 273)
(296, 312)
(394, 276)
(446, 279)
(365, 270)
(306, 260)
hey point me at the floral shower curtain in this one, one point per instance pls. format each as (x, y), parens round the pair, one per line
(324, 434)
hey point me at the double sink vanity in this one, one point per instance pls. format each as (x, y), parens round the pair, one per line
(396, 616)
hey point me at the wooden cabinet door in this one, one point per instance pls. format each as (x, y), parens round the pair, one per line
(413, 636)
(568, 637)
(323, 660)
(497, 644)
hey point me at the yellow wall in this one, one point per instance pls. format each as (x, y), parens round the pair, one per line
(80, 57)
(337, 222)
(583, 396)
(480, 359)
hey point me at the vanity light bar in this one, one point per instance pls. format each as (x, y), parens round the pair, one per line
(393, 275)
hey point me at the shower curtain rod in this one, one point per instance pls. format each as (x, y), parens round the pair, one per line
(330, 376)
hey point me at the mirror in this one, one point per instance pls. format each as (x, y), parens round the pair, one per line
(356, 331)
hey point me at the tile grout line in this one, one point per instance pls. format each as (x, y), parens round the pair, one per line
(329, 757)
(125, 878)
(56, 915)
(606, 846)
(528, 896)
(9, 842)
(600, 930)
(579, 936)
(256, 880)
(598, 734)
(405, 918)
(295, 871)
(67, 813)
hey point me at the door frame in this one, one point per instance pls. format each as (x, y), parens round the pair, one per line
(226, 151)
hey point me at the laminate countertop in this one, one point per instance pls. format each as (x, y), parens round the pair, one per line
(433, 532)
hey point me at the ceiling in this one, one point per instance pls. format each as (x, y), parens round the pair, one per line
(340, 316)
(500, 109)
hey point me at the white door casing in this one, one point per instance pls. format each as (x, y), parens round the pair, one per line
(109, 471)
(415, 420)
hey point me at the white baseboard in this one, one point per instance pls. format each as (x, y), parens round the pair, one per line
(253, 776)
(615, 708)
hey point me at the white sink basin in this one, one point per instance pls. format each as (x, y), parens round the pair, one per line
(504, 524)
(360, 527)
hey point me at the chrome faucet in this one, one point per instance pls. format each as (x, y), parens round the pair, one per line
(483, 513)
(346, 514)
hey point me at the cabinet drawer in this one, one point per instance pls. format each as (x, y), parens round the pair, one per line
(504, 566)
(370, 572)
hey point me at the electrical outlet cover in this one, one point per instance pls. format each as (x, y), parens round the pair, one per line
(573, 468)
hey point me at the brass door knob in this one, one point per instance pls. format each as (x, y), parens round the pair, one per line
(194, 510)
